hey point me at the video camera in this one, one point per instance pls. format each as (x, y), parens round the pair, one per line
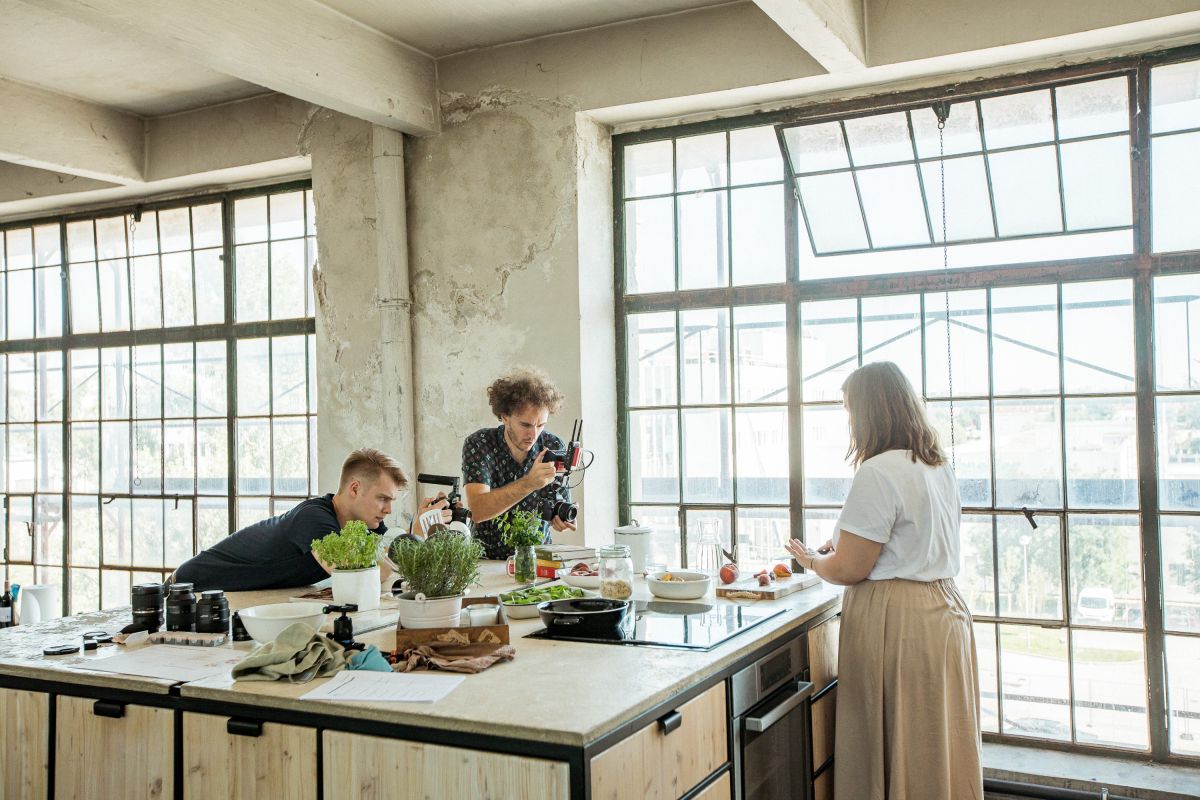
(460, 517)
(559, 504)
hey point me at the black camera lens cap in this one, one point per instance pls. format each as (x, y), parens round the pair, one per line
(60, 649)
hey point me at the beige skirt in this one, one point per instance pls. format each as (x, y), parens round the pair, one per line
(908, 694)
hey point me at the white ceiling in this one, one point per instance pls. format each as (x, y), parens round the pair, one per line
(44, 49)
(452, 26)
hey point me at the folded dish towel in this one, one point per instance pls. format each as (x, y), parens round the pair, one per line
(298, 655)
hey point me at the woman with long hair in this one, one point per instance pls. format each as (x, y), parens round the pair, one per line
(908, 683)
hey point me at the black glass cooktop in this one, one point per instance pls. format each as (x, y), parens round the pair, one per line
(662, 623)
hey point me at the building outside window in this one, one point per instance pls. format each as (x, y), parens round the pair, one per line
(157, 385)
(761, 260)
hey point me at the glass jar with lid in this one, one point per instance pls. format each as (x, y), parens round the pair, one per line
(616, 572)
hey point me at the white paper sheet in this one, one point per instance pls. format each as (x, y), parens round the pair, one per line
(171, 662)
(400, 687)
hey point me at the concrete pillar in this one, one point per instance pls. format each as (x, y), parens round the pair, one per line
(361, 285)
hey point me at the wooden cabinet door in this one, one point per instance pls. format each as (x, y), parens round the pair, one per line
(669, 756)
(24, 730)
(128, 754)
(720, 789)
(373, 768)
(699, 745)
(823, 653)
(824, 710)
(263, 760)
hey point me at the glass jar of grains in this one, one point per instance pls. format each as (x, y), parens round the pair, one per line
(616, 572)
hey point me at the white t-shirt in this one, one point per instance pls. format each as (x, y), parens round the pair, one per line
(912, 509)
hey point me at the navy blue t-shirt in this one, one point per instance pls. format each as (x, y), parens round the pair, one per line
(486, 459)
(273, 554)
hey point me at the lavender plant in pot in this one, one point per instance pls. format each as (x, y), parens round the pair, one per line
(351, 555)
(437, 573)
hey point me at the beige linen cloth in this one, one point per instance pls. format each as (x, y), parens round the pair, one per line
(908, 694)
(297, 655)
(455, 652)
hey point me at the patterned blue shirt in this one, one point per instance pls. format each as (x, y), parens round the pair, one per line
(486, 459)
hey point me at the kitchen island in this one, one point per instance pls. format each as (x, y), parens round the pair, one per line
(563, 719)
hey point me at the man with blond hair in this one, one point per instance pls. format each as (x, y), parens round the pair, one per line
(277, 552)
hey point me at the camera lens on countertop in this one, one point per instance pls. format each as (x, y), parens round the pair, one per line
(212, 612)
(147, 606)
(181, 607)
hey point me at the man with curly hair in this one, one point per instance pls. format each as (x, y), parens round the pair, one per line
(502, 466)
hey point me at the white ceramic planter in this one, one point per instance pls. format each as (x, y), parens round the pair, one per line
(419, 611)
(358, 586)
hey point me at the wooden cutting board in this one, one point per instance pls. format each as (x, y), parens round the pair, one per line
(748, 588)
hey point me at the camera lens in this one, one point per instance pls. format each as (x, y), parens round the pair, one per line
(567, 512)
(181, 607)
(212, 612)
(147, 606)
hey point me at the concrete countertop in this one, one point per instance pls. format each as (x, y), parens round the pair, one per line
(602, 686)
(21, 646)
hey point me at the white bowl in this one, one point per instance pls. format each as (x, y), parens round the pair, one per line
(579, 581)
(264, 623)
(693, 585)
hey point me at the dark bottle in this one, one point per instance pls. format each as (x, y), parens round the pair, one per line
(6, 607)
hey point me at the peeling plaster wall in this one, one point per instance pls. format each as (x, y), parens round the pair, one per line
(493, 240)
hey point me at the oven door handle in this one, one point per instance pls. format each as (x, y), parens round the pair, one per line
(761, 722)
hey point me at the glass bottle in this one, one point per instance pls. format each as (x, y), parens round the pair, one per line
(616, 572)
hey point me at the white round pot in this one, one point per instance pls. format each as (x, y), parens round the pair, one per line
(357, 586)
(419, 611)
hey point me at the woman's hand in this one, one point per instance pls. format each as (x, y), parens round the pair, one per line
(803, 554)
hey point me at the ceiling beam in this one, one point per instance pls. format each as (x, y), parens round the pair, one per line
(54, 132)
(300, 48)
(18, 182)
(831, 31)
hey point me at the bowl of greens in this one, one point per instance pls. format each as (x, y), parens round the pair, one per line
(523, 603)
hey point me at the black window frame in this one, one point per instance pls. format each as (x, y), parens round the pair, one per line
(229, 332)
(1141, 266)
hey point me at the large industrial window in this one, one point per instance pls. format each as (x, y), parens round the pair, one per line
(157, 387)
(763, 259)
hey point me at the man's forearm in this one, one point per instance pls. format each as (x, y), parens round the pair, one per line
(486, 505)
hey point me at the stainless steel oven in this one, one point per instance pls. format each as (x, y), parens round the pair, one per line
(770, 726)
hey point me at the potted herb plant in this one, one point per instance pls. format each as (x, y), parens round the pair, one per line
(351, 557)
(522, 531)
(436, 574)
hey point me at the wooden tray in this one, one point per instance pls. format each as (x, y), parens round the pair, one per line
(748, 588)
(414, 637)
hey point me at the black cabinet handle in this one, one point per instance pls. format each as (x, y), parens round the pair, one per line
(244, 727)
(670, 722)
(107, 708)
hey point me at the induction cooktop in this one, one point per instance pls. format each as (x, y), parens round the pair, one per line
(688, 626)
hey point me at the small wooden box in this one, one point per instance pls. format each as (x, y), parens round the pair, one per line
(414, 637)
